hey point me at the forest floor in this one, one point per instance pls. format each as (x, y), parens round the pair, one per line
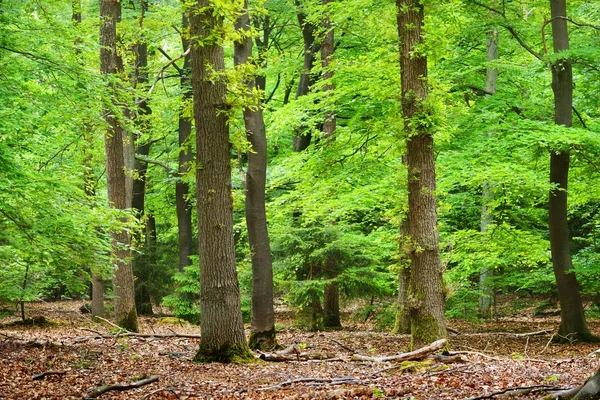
(491, 362)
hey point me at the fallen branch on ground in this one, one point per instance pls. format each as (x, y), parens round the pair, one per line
(526, 334)
(413, 355)
(96, 392)
(134, 334)
(589, 390)
(334, 381)
(517, 390)
(42, 375)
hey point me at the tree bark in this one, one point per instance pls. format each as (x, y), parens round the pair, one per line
(486, 274)
(183, 202)
(573, 324)
(331, 298)
(88, 178)
(303, 136)
(221, 324)
(112, 64)
(262, 335)
(426, 285)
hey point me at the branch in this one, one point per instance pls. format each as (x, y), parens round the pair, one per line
(164, 53)
(21, 227)
(96, 392)
(583, 24)
(501, 13)
(521, 389)
(42, 375)
(413, 355)
(333, 381)
(170, 170)
(167, 65)
(514, 33)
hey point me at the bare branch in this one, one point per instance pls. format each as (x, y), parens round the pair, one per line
(167, 65)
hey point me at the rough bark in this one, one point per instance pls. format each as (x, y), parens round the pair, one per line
(183, 202)
(426, 285)
(573, 324)
(486, 287)
(262, 333)
(222, 327)
(303, 136)
(112, 64)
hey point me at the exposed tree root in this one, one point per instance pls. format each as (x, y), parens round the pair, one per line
(520, 390)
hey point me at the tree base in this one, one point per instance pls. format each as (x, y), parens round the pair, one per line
(130, 322)
(264, 341)
(585, 337)
(232, 353)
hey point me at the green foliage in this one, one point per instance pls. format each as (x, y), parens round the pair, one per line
(185, 302)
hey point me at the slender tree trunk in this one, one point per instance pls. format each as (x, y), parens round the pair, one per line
(88, 180)
(222, 327)
(302, 138)
(486, 285)
(262, 335)
(426, 285)
(331, 298)
(112, 64)
(186, 157)
(572, 322)
(402, 322)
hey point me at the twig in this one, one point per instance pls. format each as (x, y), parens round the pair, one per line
(96, 392)
(170, 390)
(42, 375)
(547, 344)
(309, 380)
(536, 388)
(167, 65)
(342, 345)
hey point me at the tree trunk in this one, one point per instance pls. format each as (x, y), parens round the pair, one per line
(426, 285)
(486, 274)
(302, 137)
(331, 298)
(112, 64)
(402, 322)
(186, 157)
(572, 319)
(88, 179)
(262, 335)
(221, 323)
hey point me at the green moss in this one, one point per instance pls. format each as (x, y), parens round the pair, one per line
(402, 322)
(129, 322)
(265, 341)
(424, 330)
(229, 353)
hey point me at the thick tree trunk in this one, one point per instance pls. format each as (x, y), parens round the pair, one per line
(222, 327)
(112, 64)
(486, 286)
(262, 335)
(573, 324)
(402, 322)
(183, 203)
(426, 285)
(302, 137)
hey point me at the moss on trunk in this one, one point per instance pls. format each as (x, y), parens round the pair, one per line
(265, 341)
(238, 354)
(424, 330)
(129, 322)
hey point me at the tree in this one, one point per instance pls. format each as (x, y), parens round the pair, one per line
(426, 286)
(487, 217)
(183, 202)
(572, 318)
(331, 297)
(262, 333)
(221, 323)
(111, 65)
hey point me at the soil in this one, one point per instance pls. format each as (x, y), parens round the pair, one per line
(491, 361)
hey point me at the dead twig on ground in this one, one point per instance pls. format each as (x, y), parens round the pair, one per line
(96, 392)
(517, 390)
(44, 374)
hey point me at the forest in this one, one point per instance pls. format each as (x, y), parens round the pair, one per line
(299, 199)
